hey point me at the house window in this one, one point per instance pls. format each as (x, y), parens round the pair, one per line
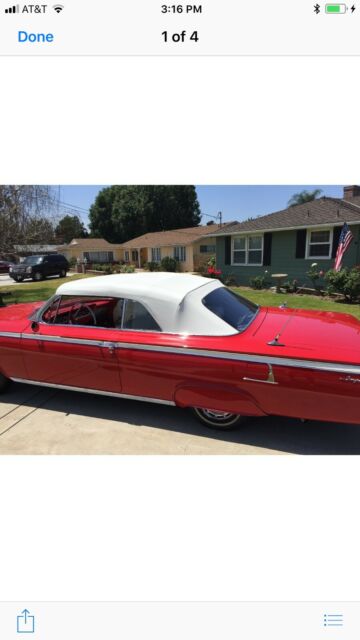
(135, 256)
(319, 243)
(180, 254)
(99, 256)
(248, 250)
(127, 256)
(156, 254)
(207, 248)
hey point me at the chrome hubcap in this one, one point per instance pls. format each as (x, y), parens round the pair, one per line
(216, 415)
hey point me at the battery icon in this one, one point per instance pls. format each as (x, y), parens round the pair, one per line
(335, 8)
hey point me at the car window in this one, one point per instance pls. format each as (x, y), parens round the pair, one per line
(81, 310)
(235, 310)
(137, 318)
(33, 260)
(49, 314)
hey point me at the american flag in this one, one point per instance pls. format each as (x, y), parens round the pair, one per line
(344, 241)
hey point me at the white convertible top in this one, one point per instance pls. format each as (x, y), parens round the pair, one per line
(167, 286)
(173, 299)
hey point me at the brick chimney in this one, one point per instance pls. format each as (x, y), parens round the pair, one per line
(351, 192)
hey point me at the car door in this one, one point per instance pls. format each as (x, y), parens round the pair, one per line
(74, 353)
(163, 367)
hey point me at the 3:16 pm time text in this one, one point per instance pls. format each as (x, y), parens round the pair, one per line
(181, 8)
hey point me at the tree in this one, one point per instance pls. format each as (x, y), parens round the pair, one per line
(70, 227)
(27, 215)
(120, 213)
(304, 196)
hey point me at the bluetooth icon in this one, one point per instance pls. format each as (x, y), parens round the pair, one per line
(316, 8)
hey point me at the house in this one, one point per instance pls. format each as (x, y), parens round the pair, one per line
(23, 250)
(289, 241)
(190, 247)
(94, 250)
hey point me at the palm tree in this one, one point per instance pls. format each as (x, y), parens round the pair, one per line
(303, 197)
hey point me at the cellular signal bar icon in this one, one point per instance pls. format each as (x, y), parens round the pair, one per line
(13, 9)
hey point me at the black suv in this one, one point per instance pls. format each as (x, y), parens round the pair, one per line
(40, 267)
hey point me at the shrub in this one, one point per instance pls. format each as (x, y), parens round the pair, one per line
(314, 274)
(291, 286)
(258, 282)
(346, 282)
(152, 266)
(72, 262)
(126, 268)
(168, 264)
(213, 272)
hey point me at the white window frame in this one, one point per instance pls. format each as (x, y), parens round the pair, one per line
(247, 263)
(102, 257)
(181, 251)
(156, 254)
(308, 243)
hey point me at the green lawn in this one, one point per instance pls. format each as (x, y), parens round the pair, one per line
(33, 291)
(269, 299)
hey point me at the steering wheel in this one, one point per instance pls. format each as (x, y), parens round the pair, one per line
(79, 314)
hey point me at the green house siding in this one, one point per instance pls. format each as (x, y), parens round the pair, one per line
(283, 258)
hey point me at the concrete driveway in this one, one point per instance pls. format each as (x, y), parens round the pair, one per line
(36, 420)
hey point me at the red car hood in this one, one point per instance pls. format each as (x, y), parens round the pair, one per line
(15, 317)
(313, 335)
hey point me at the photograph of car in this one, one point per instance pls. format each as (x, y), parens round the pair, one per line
(40, 267)
(187, 341)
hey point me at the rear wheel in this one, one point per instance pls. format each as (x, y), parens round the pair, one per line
(3, 383)
(62, 273)
(218, 419)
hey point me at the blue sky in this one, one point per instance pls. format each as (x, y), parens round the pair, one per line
(235, 202)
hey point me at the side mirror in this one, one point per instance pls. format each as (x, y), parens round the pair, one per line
(35, 326)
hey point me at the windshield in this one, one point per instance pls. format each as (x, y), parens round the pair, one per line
(235, 310)
(33, 260)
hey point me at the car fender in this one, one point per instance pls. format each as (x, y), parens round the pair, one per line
(217, 397)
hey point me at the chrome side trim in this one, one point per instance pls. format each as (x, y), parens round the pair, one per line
(10, 334)
(98, 392)
(81, 341)
(294, 363)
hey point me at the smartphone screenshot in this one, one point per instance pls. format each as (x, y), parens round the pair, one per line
(179, 320)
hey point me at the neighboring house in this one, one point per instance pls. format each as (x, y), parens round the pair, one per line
(190, 247)
(23, 250)
(94, 250)
(289, 241)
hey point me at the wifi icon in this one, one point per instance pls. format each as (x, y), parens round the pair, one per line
(58, 8)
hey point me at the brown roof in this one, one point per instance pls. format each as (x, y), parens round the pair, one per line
(315, 213)
(175, 237)
(97, 244)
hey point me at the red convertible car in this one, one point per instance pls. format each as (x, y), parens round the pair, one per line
(188, 341)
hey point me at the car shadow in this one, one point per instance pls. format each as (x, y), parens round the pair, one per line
(285, 435)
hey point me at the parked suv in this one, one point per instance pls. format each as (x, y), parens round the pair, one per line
(40, 267)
